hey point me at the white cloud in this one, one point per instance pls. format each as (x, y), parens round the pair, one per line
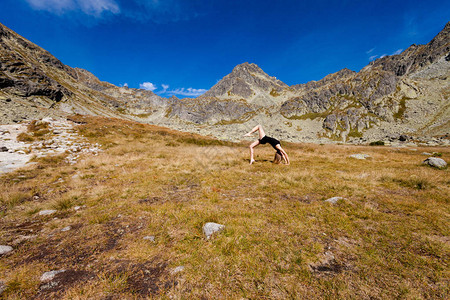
(370, 51)
(373, 57)
(90, 7)
(383, 55)
(125, 85)
(397, 52)
(165, 87)
(147, 86)
(189, 92)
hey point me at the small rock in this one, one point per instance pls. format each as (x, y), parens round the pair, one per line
(210, 228)
(5, 249)
(426, 153)
(2, 287)
(177, 270)
(435, 162)
(3, 149)
(403, 138)
(77, 208)
(47, 276)
(334, 200)
(151, 238)
(67, 228)
(360, 156)
(47, 212)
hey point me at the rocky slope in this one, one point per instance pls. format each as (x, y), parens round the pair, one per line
(392, 96)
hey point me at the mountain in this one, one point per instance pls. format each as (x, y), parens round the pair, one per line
(394, 95)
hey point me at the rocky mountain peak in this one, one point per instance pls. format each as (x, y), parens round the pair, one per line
(246, 81)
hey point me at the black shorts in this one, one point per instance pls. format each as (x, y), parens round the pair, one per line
(267, 139)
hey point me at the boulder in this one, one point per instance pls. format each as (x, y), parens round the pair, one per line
(50, 275)
(177, 270)
(334, 200)
(435, 162)
(150, 238)
(5, 249)
(210, 228)
(403, 138)
(47, 212)
(2, 287)
(360, 156)
(67, 228)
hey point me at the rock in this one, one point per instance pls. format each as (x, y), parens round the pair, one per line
(426, 153)
(48, 276)
(2, 287)
(177, 270)
(67, 228)
(360, 156)
(5, 249)
(47, 212)
(435, 162)
(403, 138)
(151, 238)
(334, 200)
(210, 228)
(3, 149)
(77, 208)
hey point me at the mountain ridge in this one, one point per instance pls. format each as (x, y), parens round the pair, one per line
(393, 95)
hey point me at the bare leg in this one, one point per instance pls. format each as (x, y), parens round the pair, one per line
(284, 154)
(253, 145)
(259, 129)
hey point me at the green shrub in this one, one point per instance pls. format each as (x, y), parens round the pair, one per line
(377, 143)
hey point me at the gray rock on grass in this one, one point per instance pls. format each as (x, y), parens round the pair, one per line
(150, 238)
(47, 212)
(2, 287)
(210, 228)
(5, 249)
(50, 275)
(334, 200)
(67, 228)
(360, 156)
(177, 270)
(435, 162)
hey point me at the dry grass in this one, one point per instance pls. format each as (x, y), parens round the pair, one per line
(388, 239)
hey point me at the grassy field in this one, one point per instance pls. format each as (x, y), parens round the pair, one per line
(388, 238)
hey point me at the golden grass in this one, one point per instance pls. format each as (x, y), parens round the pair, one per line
(388, 239)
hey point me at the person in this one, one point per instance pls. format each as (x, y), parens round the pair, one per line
(264, 139)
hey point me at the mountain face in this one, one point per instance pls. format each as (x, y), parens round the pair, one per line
(401, 94)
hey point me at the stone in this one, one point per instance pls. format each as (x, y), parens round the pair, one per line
(67, 228)
(3, 149)
(177, 270)
(435, 162)
(426, 153)
(50, 275)
(5, 249)
(210, 228)
(360, 156)
(47, 212)
(2, 287)
(403, 138)
(334, 200)
(150, 238)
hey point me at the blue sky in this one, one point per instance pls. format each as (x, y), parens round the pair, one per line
(183, 47)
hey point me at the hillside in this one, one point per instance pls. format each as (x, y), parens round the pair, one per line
(127, 223)
(405, 94)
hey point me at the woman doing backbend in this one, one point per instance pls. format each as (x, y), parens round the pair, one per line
(264, 139)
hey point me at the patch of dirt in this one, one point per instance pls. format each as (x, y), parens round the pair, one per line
(61, 282)
(144, 279)
(327, 266)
